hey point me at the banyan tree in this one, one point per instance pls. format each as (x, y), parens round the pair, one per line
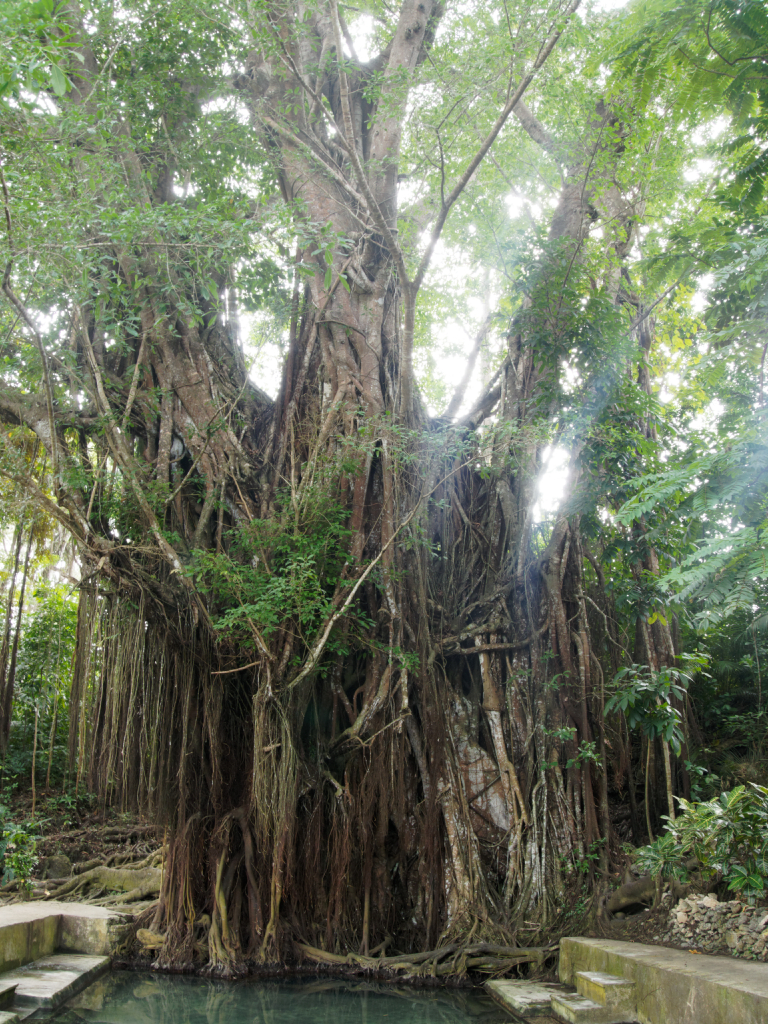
(323, 638)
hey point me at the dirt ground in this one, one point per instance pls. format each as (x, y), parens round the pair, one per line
(78, 830)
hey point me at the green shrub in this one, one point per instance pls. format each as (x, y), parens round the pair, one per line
(728, 837)
(18, 852)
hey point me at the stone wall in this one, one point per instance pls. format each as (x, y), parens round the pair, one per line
(702, 922)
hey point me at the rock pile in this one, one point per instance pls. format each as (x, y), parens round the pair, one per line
(702, 922)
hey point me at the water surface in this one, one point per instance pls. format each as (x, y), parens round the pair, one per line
(129, 998)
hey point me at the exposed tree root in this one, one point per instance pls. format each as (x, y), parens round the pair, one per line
(116, 881)
(643, 889)
(134, 883)
(454, 959)
(149, 939)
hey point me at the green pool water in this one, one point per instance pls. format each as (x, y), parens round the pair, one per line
(128, 998)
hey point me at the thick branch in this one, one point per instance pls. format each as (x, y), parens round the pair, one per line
(17, 305)
(535, 128)
(362, 179)
(479, 156)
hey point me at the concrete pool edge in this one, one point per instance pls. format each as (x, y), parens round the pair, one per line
(29, 931)
(673, 985)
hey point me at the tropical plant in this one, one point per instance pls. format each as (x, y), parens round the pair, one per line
(727, 837)
(647, 701)
(43, 679)
(18, 851)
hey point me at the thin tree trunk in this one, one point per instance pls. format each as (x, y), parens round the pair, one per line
(51, 743)
(647, 791)
(759, 676)
(633, 815)
(52, 739)
(34, 758)
(6, 692)
(668, 778)
(10, 682)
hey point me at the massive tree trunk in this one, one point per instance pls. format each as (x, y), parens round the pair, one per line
(332, 656)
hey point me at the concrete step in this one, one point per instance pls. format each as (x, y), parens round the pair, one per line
(7, 992)
(528, 998)
(576, 1009)
(52, 980)
(609, 990)
(8, 1017)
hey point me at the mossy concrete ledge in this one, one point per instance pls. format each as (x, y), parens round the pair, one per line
(29, 931)
(674, 986)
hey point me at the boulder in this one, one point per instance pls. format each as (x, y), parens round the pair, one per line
(57, 866)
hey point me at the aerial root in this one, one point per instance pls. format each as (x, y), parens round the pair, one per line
(149, 939)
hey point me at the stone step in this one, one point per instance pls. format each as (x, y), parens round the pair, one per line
(7, 992)
(528, 998)
(52, 980)
(16, 1014)
(608, 989)
(576, 1009)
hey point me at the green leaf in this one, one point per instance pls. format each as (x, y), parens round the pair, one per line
(59, 80)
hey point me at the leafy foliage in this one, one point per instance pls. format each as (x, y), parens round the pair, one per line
(18, 846)
(35, 48)
(646, 701)
(43, 678)
(728, 837)
(278, 573)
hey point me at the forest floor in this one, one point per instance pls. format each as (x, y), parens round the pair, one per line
(60, 836)
(79, 829)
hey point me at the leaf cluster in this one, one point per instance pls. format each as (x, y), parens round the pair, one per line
(728, 837)
(278, 574)
(646, 700)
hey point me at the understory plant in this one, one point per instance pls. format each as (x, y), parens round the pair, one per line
(646, 698)
(727, 837)
(18, 853)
